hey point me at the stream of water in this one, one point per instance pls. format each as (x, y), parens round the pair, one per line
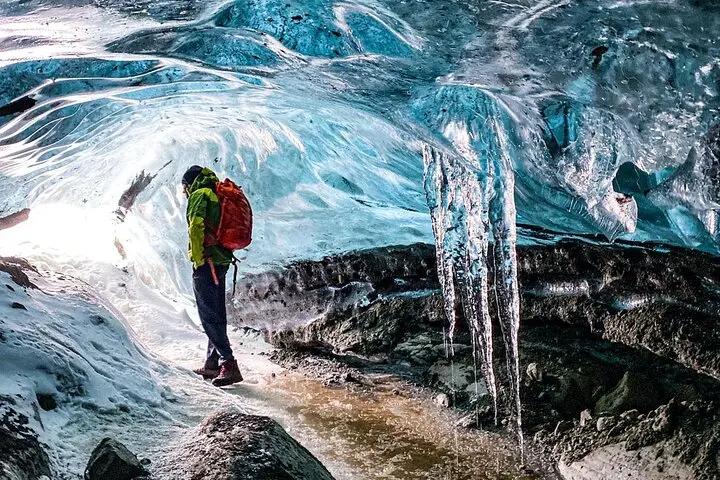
(379, 434)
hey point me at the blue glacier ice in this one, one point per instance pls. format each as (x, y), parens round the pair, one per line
(360, 123)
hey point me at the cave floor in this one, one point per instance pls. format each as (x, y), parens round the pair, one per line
(378, 427)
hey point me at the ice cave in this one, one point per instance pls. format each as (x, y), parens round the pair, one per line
(485, 239)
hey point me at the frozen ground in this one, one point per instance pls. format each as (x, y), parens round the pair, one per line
(113, 352)
(115, 356)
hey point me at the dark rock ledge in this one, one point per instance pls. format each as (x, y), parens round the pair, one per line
(620, 346)
(22, 455)
(667, 302)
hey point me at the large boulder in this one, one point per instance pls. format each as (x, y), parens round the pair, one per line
(231, 445)
(111, 460)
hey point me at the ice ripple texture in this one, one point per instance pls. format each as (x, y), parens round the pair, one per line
(322, 109)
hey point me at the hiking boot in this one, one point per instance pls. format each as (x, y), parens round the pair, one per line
(207, 373)
(229, 374)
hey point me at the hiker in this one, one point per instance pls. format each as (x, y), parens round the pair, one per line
(211, 258)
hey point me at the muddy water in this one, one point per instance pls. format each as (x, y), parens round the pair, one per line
(380, 435)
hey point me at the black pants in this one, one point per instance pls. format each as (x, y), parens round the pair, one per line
(210, 300)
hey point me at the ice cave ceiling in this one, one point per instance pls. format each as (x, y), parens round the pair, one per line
(321, 109)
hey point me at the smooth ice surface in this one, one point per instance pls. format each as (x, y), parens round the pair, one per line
(321, 108)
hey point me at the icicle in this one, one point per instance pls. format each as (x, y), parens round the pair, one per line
(470, 189)
(473, 339)
(507, 296)
(460, 213)
(437, 191)
(475, 295)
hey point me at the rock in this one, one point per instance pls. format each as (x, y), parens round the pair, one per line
(443, 400)
(562, 426)
(111, 460)
(630, 414)
(22, 456)
(656, 427)
(632, 392)
(358, 301)
(585, 417)
(231, 445)
(46, 401)
(22, 104)
(14, 218)
(663, 422)
(604, 423)
(468, 421)
(616, 430)
(17, 267)
(534, 372)
(574, 393)
(376, 328)
(18, 306)
(421, 349)
(485, 412)
(614, 462)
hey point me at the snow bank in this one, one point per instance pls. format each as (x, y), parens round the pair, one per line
(70, 366)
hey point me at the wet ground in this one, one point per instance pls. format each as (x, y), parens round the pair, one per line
(387, 432)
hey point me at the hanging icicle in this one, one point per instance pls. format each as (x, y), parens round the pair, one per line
(507, 295)
(470, 192)
(462, 264)
(441, 201)
(475, 297)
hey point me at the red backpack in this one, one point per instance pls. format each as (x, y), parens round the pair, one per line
(235, 229)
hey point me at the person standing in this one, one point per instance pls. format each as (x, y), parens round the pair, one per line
(210, 262)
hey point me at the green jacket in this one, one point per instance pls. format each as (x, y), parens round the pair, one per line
(203, 215)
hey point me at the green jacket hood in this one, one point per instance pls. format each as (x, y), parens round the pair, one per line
(206, 179)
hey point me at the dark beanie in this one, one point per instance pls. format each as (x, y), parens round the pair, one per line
(191, 174)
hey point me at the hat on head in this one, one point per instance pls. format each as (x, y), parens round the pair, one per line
(191, 174)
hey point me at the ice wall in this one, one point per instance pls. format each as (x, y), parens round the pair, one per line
(573, 117)
(310, 105)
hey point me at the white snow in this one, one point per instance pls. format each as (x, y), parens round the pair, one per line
(65, 345)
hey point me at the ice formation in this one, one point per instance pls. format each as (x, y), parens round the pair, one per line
(71, 367)
(307, 102)
(471, 195)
